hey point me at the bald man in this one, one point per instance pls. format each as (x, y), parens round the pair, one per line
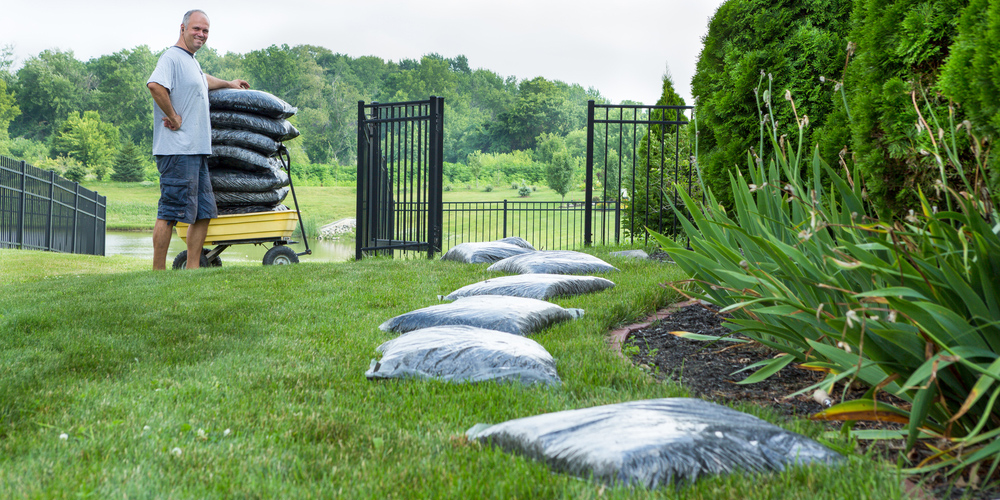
(182, 140)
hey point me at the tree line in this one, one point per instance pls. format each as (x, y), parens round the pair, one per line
(94, 118)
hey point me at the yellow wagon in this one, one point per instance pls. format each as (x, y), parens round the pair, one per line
(259, 228)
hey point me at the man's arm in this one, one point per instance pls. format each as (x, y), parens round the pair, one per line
(216, 83)
(161, 96)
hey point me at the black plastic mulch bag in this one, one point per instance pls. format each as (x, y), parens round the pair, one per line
(250, 101)
(518, 241)
(226, 179)
(465, 354)
(552, 262)
(535, 286)
(275, 128)
(244, 139)
(484, 252)
(515, 315)
(251, 209)
(654, 442)
(241, 158)
(228, 198)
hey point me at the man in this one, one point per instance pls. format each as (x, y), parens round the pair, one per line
(184, 141)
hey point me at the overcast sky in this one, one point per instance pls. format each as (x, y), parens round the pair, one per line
(620, 47)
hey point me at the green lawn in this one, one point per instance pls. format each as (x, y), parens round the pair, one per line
(248, 382)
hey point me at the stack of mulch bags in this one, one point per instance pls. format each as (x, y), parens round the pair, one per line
(248, 127)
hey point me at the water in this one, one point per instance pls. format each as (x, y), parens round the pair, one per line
(140, 245)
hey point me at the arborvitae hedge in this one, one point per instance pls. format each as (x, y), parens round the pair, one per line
(899, 49)
(794, 41)
(971, 75)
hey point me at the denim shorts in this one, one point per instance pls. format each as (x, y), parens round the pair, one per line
(185, 189)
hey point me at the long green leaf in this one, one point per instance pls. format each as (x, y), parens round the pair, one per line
(773, 366)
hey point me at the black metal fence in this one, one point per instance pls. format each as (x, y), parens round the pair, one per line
(40, 210)
(547, 225)
(399, 177)
(638, 158)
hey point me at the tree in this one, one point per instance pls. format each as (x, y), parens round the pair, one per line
(129, 164)
(121, 93)
(793, 42)
(49, 87)
(89, 140)
(8, 109)
(475, 162)
(899, 48)
(559, 172)
(547, 145)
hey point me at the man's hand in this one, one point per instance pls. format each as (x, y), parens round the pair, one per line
(216, 83)
(172, 122)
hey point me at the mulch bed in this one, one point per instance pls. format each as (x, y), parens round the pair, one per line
(707, 370)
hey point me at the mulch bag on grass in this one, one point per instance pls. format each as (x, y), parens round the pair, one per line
(275, 128)
(486, 252)
(271, 197)
(250, 101)
(552, 262)
(518, 241)
(515, 315)
(654, 442)
(535, 286)
(251, 209)
(463, 354)
(244, 139)
(226, 179)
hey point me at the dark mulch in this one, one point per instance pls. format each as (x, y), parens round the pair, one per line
(707, 369)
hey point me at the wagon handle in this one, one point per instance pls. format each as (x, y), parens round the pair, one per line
(286, 160)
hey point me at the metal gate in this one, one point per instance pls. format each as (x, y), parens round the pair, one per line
(400, 164)
(637, 158)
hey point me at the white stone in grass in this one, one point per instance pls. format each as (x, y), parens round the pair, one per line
(632, 254)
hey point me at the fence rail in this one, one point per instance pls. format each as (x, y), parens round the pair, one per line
(40, 210)
(548, 225)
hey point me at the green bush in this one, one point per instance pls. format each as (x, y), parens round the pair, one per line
(795, 41)
(898, 47)
(969, 75)
(908, 306)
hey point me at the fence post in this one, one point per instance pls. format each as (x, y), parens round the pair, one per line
(76, 215)
(504, 218)
(362, 183)
(48, 227)
(24, 199)
(588, 209)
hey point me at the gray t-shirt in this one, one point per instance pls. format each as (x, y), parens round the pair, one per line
(179, 72)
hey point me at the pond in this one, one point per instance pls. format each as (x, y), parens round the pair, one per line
(140, 244)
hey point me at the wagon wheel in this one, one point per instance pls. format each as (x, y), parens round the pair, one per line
(180, 262)
(280, 255)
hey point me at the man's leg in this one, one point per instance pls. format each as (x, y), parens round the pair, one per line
(195, 240)
(162, 231)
